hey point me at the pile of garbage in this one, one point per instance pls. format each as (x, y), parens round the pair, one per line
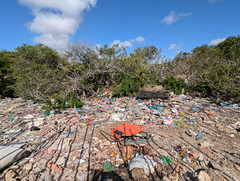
(175, 138)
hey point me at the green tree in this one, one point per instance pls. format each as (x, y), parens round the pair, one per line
(37, 73)
(214, 69)
(6, 79)
(231, 48)
(92, 68)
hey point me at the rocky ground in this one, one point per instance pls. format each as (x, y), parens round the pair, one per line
(190, 139)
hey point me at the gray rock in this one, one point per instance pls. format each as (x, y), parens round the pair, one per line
(201, 156)
(165, 178)
(205, 144)
(60, 161)
(137, 173)
(215, 175)
(214, 165)
(203, 176)
(187, 160)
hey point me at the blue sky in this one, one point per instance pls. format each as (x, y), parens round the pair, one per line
(173, 25)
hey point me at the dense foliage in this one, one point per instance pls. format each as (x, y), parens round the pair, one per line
(126, 86)
(37, 72)
(215, 69)
(210, 70)
(6, 80)
(177, 86)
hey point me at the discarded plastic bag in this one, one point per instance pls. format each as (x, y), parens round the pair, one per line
(144, 162)
(199, 136)
(108, 167)
(166, 160)
(116, 117)
(168, 121)
(156, 107)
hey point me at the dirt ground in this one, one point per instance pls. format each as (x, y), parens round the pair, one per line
(68, 148)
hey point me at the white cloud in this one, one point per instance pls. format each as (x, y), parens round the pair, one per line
(56, 41)
(213, 1)
(127, 43)
(217, 41)
(172, 46)
(124, 44)
(184, 14)
(56, 20)
(173, 17)
(132, 40)
(175, 46)
(140, 39)
(179, 46)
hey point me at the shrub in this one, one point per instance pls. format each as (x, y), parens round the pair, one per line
(175, 85)
(126, 86)
(60, 103)
(6, 80)
(37, 73)
(214, 69)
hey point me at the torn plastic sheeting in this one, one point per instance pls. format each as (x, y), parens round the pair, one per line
(98, 122)
(144, 162)
(126, 129)
(116, 117)
(137, 112)
(83, 176)
(16, 145)
(12, 131)
(143, 140)
(156, 107)
(46, 153)
(142, 107)
(10, 154)
(152, 95)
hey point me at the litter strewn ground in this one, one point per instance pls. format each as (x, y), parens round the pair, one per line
(183, 138)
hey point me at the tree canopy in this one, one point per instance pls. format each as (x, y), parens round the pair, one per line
(40, 73)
